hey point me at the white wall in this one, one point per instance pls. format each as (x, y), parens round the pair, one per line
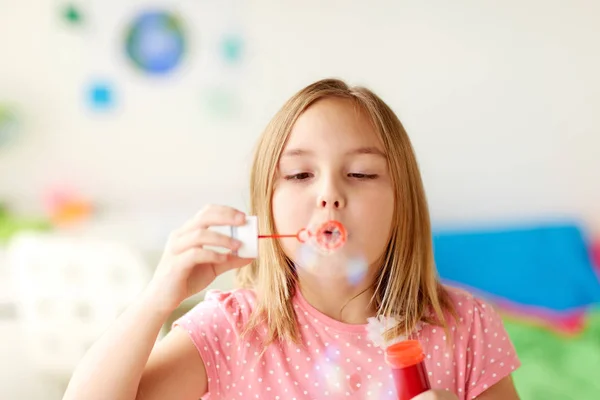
(500, 99)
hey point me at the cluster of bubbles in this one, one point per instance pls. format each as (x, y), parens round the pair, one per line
(322, 252)
(337, 378)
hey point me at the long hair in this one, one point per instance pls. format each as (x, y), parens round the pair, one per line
(406, 286)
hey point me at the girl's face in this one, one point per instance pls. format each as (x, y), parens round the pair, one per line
(334, 167)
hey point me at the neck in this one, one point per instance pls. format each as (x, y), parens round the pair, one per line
(338, 299)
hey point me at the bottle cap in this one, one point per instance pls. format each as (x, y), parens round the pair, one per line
(404, 354)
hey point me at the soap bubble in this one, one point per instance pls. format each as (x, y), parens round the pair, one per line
(311, 260)
(357, 268)
(307, 257)
(338, 264)
(329, 370)
(375, 391)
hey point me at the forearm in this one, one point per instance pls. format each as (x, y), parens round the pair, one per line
(113, 366)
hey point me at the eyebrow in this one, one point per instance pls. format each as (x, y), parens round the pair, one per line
(360, 150)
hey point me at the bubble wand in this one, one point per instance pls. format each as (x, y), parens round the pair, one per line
(329, 236)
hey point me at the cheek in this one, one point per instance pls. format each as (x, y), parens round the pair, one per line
(378, 217)
(287, 211)
(291, 213)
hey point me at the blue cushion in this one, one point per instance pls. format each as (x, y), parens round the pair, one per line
(544, 266)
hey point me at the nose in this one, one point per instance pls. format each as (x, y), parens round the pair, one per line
(323, 203)
(331, 198)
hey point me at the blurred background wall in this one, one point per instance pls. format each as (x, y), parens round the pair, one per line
(148, 124)
(499, 98)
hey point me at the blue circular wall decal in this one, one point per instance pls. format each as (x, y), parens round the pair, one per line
(101, 96)
(232, 48)
(155, 41)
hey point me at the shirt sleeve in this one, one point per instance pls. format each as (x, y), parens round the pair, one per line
(491, 355)
(214, 326)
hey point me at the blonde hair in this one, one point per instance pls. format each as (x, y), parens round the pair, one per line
(406, 287)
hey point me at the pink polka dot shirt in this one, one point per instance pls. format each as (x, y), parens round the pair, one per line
(338, 360)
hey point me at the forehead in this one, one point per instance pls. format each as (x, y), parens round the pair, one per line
(340, 123)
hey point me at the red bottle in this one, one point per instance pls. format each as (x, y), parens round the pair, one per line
(408, 368)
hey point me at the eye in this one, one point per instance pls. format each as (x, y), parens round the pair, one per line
(362, 176)
(298, 177)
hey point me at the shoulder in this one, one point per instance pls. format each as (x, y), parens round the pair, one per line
(476, 317)
(469, 307)
(220, 308)
(471, 314)
(459, 295)
(481, 341)
(231, 301)
(215, 326)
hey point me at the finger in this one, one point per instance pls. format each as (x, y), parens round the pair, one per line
(195, 256)
(214, 215)
(199, 238)
(233, 262)
(424, 396)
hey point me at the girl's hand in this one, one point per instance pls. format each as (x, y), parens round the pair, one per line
(186, 267)
(436, 395)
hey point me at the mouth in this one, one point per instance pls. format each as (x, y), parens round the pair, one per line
(331, 235)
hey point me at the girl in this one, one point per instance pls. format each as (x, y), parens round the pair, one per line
(305, 327)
